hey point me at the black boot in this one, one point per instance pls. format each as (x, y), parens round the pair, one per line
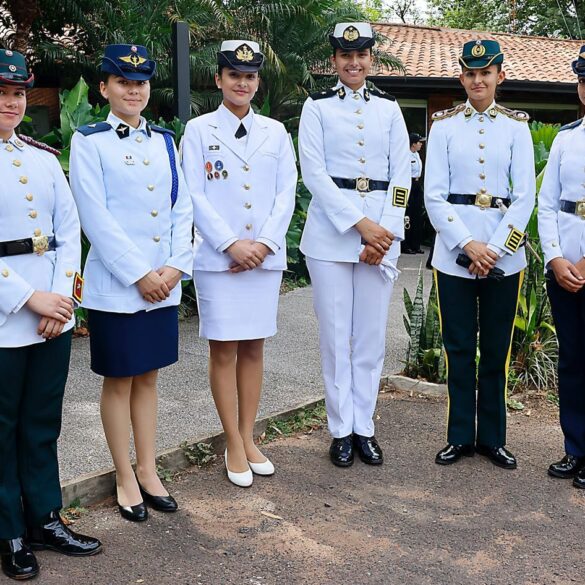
(18, 561)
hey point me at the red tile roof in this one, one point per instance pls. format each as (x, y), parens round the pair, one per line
(433, 52)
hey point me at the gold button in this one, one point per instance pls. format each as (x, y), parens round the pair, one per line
(32, 214)
(358, 111)
(248, 205)
(154, 213)
(5, 273)
(139, 139)
(146, 162)
(9, 147)
(481, 176)
(356, 96)
(554, 245)
(481, 118)
(450, 218)
(483, 190)
(23, 180)
(69, 274)
(16, 163)
(156, 238)
(481, 160)
(482, 131)
(151, 187)
(362, 160)
(248, 226)
(360, 126)
(482, 145)
(361, 142)
(246, 168)
(29, 197)
(247, 187)
(37, 232)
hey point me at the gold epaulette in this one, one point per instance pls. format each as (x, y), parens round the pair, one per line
(514, 114)
(444, 114)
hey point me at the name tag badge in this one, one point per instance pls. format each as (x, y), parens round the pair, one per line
(128, 159)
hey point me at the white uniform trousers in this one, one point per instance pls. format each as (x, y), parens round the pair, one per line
(351, 301)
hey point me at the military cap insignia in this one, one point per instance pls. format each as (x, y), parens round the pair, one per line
(12, 68)
(133, 59)
(244, 54)
(351, 33)
(478, 50)
(514, 240)
(78, 287)
(399, 197)
(8, 53)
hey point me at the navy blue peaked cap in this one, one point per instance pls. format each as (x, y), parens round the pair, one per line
(129, 61)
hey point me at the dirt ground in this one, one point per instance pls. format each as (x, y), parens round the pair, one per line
(408, 522)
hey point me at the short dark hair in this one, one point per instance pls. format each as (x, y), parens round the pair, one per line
(104, 77)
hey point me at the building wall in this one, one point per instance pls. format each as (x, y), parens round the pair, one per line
(47, 97)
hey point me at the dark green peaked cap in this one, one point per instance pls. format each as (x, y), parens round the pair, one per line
(13, 69)
(479, 54)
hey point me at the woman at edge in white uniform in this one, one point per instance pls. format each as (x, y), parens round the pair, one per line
(241, 172)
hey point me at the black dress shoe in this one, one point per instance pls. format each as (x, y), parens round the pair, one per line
(54, 535)
(160, 503)
(499, 456)
(452, 453)
(137, 513)
(368, 449)
(419, 251)
(569, 466)
(341, 451)
(18, 561)
(408, 251)
(579, 480)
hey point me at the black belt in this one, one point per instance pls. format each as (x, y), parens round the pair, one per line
(480, 199)
(576, 207)
(37, 245)
(361, 184)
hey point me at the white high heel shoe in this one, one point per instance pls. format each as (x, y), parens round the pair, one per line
(265, 468)
(241, 479)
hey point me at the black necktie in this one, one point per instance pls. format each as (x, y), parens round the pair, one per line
(241, 131)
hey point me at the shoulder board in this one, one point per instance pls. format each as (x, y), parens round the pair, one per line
(94, 128)
(382, 94)
(572, 125)
(518, 115)
(319, 95)
(39, 145)
(161, 130)
(444, 114)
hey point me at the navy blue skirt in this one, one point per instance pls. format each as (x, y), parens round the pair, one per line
(123, 344)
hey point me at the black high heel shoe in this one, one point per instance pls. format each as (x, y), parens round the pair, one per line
(159, 503)
(138, 513)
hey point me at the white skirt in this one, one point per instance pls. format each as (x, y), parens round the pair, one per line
(240, 306)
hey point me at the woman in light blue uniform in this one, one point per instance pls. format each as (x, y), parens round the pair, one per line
(242, 176)
(39, 258)
(561, 215)
(136, 211)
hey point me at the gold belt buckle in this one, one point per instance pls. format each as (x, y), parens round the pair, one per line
(362, 184)
(40, 244)
(580, 208)
(483, 200)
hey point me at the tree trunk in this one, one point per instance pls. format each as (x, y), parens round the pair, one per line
(23, 14)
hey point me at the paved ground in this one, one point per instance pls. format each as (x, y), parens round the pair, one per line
(293, 376)
(409, 522)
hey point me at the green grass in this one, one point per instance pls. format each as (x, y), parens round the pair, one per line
(305, 420)
(74, 511)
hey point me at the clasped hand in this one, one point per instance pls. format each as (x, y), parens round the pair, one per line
(55, 310)
(378, 237)
(482, 258)
(246, 255)
(570, 276)
(157, 286)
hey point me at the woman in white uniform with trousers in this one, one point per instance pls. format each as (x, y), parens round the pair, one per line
(40, 252)
(241, 172)
(136, 211)
(479, 194)
(561, 225)
(355, 161)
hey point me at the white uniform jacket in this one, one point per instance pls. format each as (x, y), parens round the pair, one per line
(347, 135)
(415, 165)
(240, 190)
(474, 153)
(563, 234)
(35, 200)
(122, 186)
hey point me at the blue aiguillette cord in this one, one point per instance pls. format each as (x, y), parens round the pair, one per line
(175, 177)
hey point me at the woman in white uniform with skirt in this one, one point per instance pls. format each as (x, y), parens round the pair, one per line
(242, 176)
(135, 209)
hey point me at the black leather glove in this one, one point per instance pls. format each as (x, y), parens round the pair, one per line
(494, 273)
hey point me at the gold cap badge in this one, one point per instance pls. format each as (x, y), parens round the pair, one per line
(351, 33)
(478, 50)
(134, 59)
(244, 54)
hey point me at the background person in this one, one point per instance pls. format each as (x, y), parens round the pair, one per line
(242, 175)
(136, 212)
(415, 207)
